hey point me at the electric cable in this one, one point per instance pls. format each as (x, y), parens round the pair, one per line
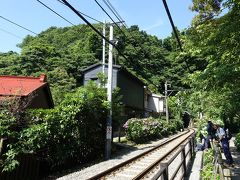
(114, 11)
(172, 24)
(55, 12)
(174, 30)
(79, 29)
(89, 24)
(18, 25)
(109, 16)
(109, 7)
(10, 33)
(84, 14)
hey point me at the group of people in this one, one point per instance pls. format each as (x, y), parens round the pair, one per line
(215, 132)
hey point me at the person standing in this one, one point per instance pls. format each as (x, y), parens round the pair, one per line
(210, 134)
(225, 143)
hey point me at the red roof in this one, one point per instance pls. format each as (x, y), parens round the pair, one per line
(20, 85)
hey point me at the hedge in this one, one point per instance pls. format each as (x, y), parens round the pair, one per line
(143, 130)
(73, 131)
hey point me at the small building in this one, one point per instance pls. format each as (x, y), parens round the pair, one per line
(131, 87)
(154, 102)
(35, 88)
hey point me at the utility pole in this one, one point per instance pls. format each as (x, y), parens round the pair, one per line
(166, 101)
(104, 46)
(109, 97)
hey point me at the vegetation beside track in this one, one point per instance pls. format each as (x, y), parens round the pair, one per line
(143, 130)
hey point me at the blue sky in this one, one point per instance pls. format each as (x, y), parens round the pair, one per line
(148, 15)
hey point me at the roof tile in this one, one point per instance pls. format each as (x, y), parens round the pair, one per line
(20, 85)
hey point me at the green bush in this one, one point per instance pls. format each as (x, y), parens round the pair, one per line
(208, 168)
(72, 132)
(237, 141)
(143, 130)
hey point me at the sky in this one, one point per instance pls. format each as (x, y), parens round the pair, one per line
(149, 15)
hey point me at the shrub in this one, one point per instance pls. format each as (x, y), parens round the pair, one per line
(208, 168)
(142, 130)
(72, 132)
(237, 141)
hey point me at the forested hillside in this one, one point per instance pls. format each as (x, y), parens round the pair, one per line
(62, 53)
(214, 36)
(206, 72)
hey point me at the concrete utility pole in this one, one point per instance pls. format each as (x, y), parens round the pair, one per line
(166, 98)
(109, 97)
(104, 46)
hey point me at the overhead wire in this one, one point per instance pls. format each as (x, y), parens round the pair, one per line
(111, 9)
(174, 30)
(10, 33)
(109, 16)
(84, 14)
(116, 14)
(172, 24)
(89, 24)
(18, 25)
(55, 12)
(114, 11)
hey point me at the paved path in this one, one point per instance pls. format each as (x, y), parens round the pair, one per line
(197, 166)
(235, 172)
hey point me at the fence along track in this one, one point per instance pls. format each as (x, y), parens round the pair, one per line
(137, 167)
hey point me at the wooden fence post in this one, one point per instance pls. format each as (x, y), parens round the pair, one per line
(165, 172)
(184, 160)
(191, 147)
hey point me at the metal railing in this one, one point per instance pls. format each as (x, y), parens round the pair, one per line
(164, 172)
(218, 163)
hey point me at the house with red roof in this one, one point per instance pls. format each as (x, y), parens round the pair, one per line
(35, 88)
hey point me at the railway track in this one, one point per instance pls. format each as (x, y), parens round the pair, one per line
(147, 164)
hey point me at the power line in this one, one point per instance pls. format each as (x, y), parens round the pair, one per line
(174, 30)
(89, 24)
(109, 16)
(110, 7)
(114, 11)
(121, 20)
(12, 34)
(172, 24)
(18, 25)
(55, 12)
(84, 14)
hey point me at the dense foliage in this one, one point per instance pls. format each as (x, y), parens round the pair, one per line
(143, 130)
(237, 141)
(214, 39)
(74, 131)
(206, 76)
(207, 171)
(62, 53)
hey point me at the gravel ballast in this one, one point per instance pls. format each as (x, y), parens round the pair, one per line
(124, 154)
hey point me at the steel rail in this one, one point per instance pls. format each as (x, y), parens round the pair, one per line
(115, 168)
(149, 168)
(162, 170)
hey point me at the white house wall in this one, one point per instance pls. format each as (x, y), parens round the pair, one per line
(155, 103)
